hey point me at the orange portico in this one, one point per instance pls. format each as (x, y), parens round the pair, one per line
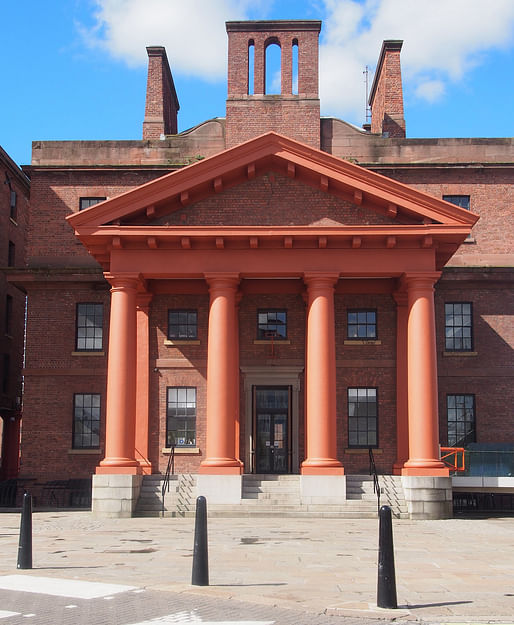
(382, 230)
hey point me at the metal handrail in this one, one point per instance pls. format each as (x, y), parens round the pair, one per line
(373, 472)
(454, 458)
(170, 469)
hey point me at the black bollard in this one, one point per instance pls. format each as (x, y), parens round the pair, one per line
(200, 575)
(25, 544)
(386, 587)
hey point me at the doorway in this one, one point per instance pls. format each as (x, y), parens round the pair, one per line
(272, 429)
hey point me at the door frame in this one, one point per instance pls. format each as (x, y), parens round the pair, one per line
(271, 376)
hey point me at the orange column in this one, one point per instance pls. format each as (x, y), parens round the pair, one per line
(222, 385)
(422, 378)
(143, 381)
(320, 371)
(237, 400)
(402, 391)
(121, 379)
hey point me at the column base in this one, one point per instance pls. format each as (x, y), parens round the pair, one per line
(220, 489)
(321, 466)
(146, 467)
(221, 466)
(397, 468)
(115, 496)
(428, 471)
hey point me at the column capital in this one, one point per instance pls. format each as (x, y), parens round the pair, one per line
(321, 278)
(222, 279)
(123, 280)
(143, 301)
(401, 298)
(420, 278)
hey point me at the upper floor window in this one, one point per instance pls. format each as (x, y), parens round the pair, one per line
(8, 314)
(86, 202)
(181, 416)
(86, 421)
(362, 417)
(13, 205)
(463, 202)
(362, 324)
(458, 327)
(6, 372)
(461, 420)
(458, 200)
(271, 324)
(182, 324)
(89, 335)
(11, 254)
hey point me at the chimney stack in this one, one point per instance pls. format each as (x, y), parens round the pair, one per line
(161, 98)
(386, 97)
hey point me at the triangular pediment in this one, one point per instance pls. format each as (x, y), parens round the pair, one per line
(373, 198)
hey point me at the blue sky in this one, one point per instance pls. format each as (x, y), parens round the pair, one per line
(76, 69)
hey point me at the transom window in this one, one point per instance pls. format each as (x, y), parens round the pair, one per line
(362, 417)
(181, 416)
(461, 420)
(86, 202)
(86, 421)
(89, 327)
(182, 324)
(458, 326)
(271, 324)
(362, 324)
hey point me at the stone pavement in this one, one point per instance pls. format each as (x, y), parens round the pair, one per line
(452, 571)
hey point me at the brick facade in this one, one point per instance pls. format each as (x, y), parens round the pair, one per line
(60, 272)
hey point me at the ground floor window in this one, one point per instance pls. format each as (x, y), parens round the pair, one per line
(86, 421)
(181, 416)
(461, 420)
(362, 417)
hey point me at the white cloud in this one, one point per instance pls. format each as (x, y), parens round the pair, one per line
(442, 40)
(431, 90)
(193, 32)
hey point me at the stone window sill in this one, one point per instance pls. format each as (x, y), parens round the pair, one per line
(86, 353)
(361, 450)
(193, 451)
(174, 343)
(269, 342)
(76, 452)
(362, 342)
(465, 354)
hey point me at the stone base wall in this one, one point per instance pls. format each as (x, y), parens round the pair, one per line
(428, 497)
(115, 496)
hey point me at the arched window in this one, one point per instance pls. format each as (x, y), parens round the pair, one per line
(251, 65)
(295, 66)
(273, 67)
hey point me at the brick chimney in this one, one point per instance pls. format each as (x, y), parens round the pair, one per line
(252, 112)
(386, 96)
(161, 98)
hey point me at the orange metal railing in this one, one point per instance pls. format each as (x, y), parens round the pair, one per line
(454, 458)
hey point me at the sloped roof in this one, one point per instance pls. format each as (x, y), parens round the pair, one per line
(272, 152)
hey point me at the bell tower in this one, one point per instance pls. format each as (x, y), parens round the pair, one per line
(295, 111)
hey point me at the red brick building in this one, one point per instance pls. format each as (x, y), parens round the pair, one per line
(14, 213)
(258, 292)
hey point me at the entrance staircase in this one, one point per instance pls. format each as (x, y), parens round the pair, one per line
(272, 495)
